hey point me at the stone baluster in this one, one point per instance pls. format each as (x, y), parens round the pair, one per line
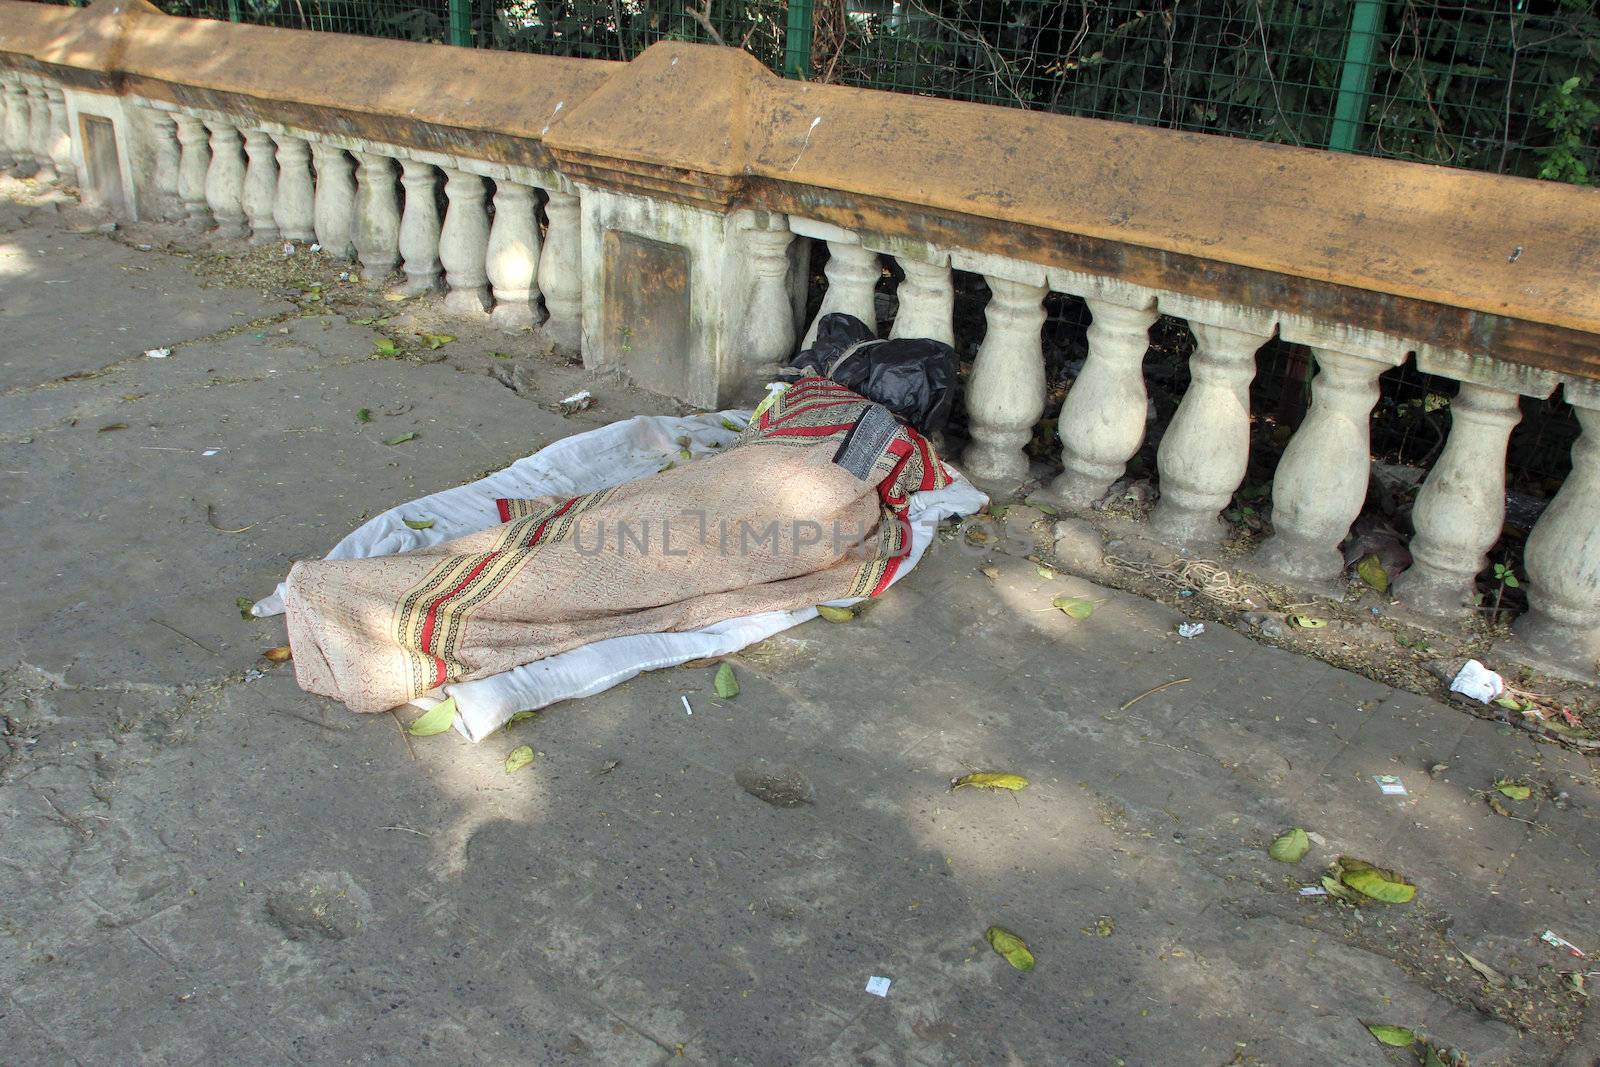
(1461, 507)
(852, 273)
(561, 270)
(1562, 626)
(927, 300)
(39, 134)
(1102, 420)
(60, 140)
(377, 236)
(1005, 394)
(333, 209)
(292, 208)
(419, 227)
(1206, 449)
(261, 186)
(16, 129)
(194, 164)
(168, 161)
(8, 157)
(1321, 481)
(513, 256)
(767, 335)
(464, 244)
(225, 179)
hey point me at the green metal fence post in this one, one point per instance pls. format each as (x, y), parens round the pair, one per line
(461, 22)
(1355, 78)
(797, 40)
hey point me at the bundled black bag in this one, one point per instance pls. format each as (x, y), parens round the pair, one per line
(914, 377)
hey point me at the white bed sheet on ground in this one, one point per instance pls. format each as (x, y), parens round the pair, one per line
(584, 463)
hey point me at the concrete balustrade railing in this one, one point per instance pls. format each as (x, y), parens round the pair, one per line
(660, 216)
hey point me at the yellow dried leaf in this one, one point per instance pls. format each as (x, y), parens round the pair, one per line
(281, 654)
(833, 614)
(990, 780)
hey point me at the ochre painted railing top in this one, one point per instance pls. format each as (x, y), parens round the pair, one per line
(1505, 267)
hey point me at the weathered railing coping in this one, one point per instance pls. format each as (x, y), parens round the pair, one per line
(1500, 267)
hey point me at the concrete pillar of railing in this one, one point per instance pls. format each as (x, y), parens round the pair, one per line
(513, 256)
(261, 186)
(1321, 481)
(1206, 449)
(292, 209)
(333, 206)
(22, 162)
(194, 165)
(1562, 557)
(925, 295)
(59, 139)
(419, 227)
(1460, 510)
(39, 134)
(225, 179)
(1102, 421)
(561, 269)
(852, 272)
(1005, 394)
(377, 235)
(464, 244)
(163, 129)
(767, 334)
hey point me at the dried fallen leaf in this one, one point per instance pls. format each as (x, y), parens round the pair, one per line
(1514, 790)
(1370, 569)
(420, 524)
(436, 340)
(991, 572)
(385, 347)
(1011, 947)
(521, 716)
(1291, 846)
(1339, 889)
(409, 435)
(244, 604)
(833, 614)
(1488, 973)
(1047, 573)
(112, 427)
(519, 758)
(281, 654)
(1394, 1036)
(1374, 882)
(1075, 606)
(437, 720)
(726, 684)
(1308, 622)
(364, 415)
(990, 780)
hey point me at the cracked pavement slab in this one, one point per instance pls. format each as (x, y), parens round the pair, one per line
(203, 864)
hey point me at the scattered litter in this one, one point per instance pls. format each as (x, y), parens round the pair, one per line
(1478, 682)
(687, 710)
(316, 247)
(211, 451)
(158, 353)
(1010, 946)
(146, 248)
(1185, 593)
(1389, 785)
(1313, 891)
(1550, 937)
(1191, 629)
(579, 401)
(288, 248)
(1151, 692)
(878, 987)
(344, 276)
(1202, 576)
(211, 519)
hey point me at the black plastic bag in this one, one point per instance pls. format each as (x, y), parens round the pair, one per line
(914, 377)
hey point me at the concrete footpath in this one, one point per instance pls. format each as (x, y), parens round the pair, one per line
(201, 864)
